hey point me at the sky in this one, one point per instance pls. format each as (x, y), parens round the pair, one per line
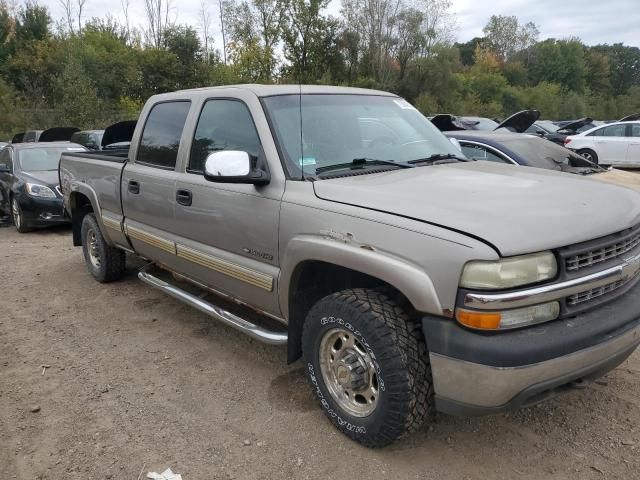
(593, 21)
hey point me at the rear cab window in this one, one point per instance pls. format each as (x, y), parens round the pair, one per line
(161, 135)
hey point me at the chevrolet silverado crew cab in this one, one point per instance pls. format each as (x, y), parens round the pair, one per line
(342, 223)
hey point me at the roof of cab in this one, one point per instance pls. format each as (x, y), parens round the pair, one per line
(270, 90)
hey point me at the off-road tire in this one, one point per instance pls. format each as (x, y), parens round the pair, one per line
(112, 262)
(588, 154)
(398, 350)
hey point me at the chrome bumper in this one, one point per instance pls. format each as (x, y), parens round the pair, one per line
(487, 389)
(627, 270)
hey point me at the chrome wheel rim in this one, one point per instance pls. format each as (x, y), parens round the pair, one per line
(348, 372)
(588, 156)
(92, 248)
(17, 216)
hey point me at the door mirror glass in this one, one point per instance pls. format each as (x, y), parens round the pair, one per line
(233, 166)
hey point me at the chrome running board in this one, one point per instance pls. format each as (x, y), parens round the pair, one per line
(228, 318)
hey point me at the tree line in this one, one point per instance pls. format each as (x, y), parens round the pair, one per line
(91, 72)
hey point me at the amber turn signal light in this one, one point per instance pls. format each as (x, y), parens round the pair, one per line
(479, 320)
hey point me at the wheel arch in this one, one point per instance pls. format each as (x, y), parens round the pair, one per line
(81, 203)
(315, 267)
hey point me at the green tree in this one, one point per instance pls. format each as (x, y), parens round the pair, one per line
(78, 101)
(559, 61)
(505, 36)
(624, 63)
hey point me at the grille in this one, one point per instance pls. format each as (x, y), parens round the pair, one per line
(593, 257)
(595, 292)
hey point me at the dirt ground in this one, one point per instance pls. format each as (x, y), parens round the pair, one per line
(138, 382)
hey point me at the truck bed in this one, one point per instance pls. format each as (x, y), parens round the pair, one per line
(97, 176)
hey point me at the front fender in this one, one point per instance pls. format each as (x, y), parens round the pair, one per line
(412, 281)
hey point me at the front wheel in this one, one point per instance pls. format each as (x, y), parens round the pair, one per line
(18, 217)
(104, 262)
(368, 366)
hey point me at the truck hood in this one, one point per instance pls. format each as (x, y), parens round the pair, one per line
(516, 210)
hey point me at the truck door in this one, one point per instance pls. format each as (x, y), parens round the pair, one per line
(149, 183)
(228, 233)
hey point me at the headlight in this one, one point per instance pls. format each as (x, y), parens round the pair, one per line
(41, 191)
(509, 272)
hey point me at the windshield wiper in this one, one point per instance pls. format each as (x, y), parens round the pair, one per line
(438, 157)
(357, 163)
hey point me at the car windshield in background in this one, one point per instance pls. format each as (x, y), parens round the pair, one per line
(41, 158)
(481, 123)
(545, 154)
(338, 129)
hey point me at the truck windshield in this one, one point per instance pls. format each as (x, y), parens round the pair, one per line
(336, 129)
(42, 158)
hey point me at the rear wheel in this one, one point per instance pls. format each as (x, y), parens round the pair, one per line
(368, 366)
(589, 155)
(18, 217)
(104, 262)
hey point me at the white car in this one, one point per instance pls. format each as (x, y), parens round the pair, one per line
(615, 144)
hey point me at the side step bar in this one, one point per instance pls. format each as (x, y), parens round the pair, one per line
(228, 318)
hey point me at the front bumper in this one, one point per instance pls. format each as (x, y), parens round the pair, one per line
(42, 211)
(477, 373)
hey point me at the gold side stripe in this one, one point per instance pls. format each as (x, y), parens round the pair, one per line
(246, 275)
(112, 224)
(151, 239)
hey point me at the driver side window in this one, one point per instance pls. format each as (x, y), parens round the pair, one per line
(223, 125)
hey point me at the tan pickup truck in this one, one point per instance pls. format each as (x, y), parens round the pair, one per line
(342, 223)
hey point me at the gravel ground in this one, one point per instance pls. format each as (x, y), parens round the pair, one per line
(137, 381)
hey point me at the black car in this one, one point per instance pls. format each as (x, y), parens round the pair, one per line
(29, 185)
(92, 139)
(518, 149)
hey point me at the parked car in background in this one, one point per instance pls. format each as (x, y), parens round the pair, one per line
(542, 128)
(57, 134)
(616, 144)
(29, 185)
(531, 151)
(3, 144)
(91, 139)
(518, 122)
(408, 278)
(526, 150)
(17, 138)
(564, 129)
(31, 136)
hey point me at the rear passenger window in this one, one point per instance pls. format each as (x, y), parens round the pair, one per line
(161, 134)
(614, 131)
(635, 130)
(223, 125)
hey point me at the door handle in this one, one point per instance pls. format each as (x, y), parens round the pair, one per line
(184, 197)
(134, 187)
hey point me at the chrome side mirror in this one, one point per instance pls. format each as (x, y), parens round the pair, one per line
(233, 166)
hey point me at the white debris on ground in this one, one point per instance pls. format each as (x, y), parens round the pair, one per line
(166, 475)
